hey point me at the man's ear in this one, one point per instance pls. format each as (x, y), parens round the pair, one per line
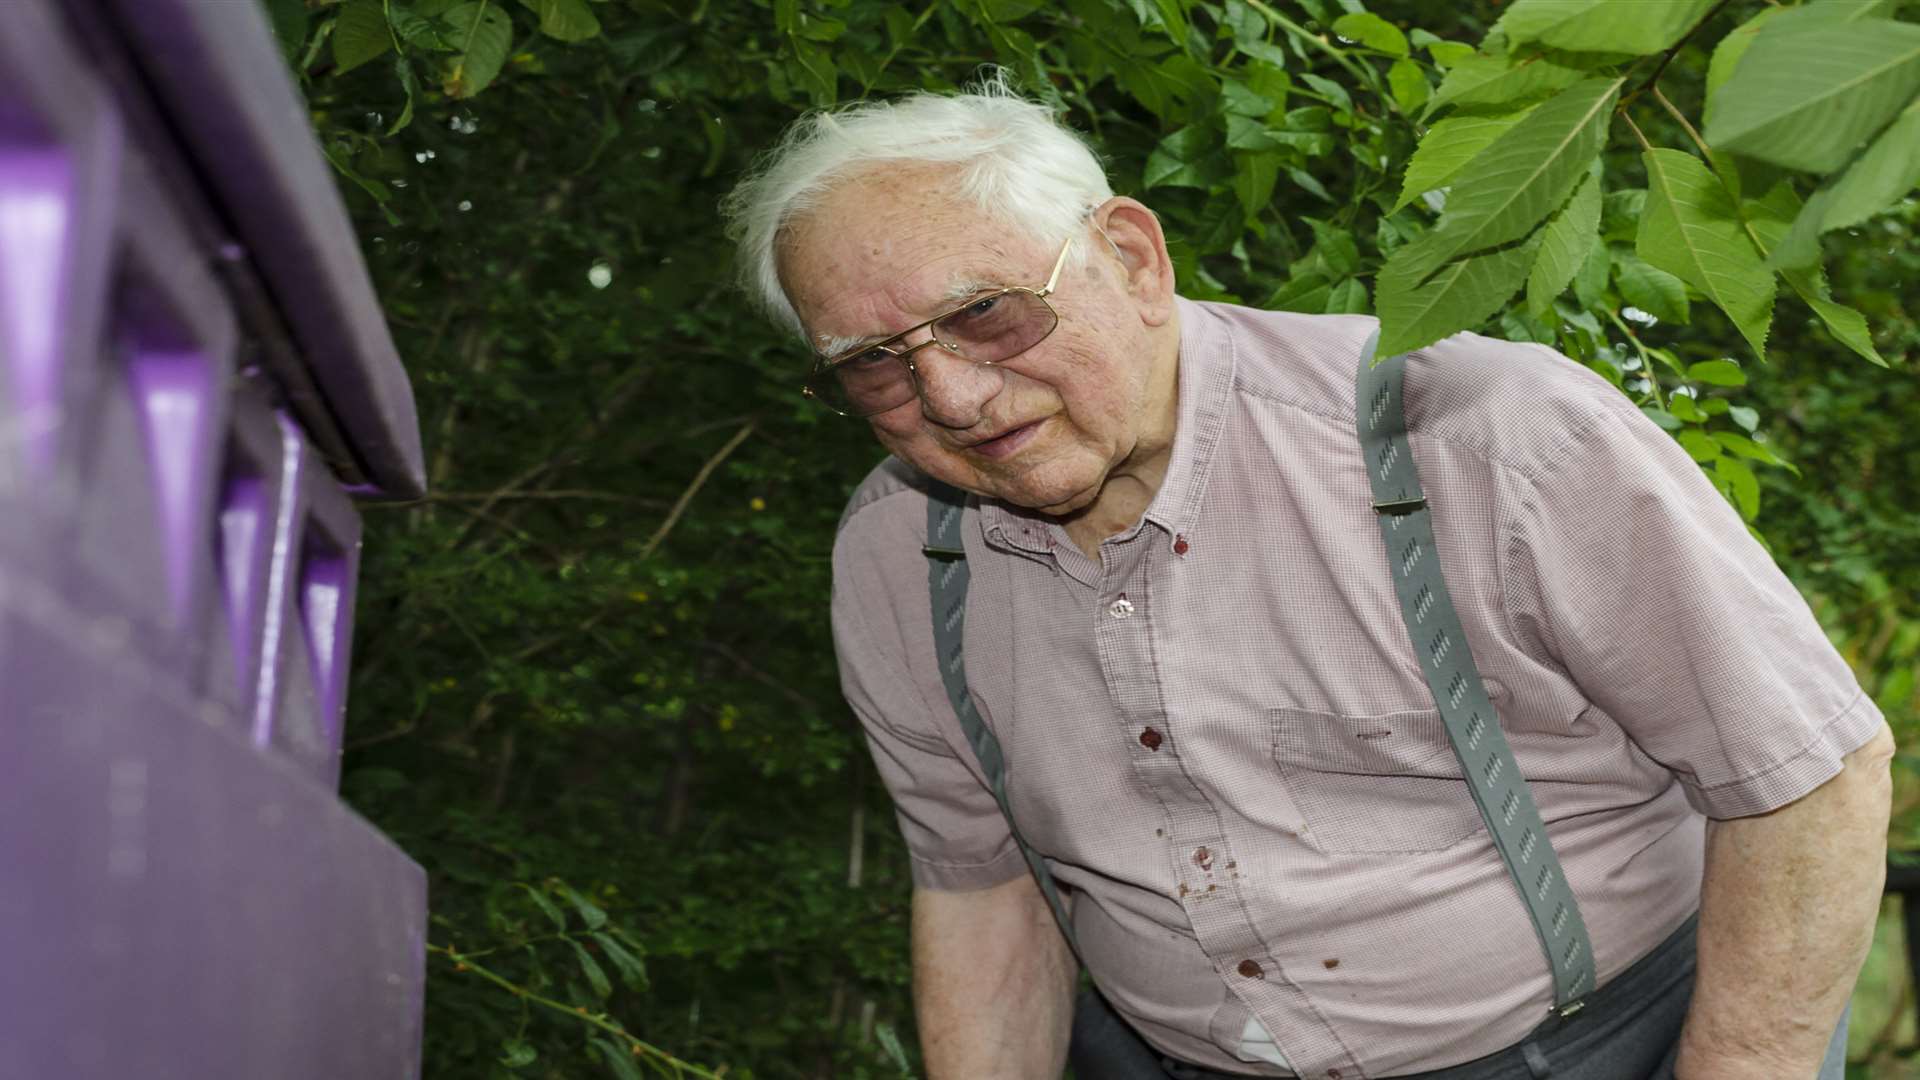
(1135, 236)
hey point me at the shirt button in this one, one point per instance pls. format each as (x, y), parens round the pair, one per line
(1150, 739)
(1179, 545)
(1203, 858)
(1251, 970)
(1120, 608)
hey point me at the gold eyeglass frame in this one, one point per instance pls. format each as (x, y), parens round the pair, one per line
(824, 368)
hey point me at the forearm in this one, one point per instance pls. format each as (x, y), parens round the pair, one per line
(1787, 909)
(992, 984)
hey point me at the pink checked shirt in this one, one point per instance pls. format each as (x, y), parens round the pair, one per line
(1218, 735)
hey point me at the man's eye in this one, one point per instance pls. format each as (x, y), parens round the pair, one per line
(872, 358)
(980, 308)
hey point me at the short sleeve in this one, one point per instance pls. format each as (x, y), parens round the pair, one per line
(1637, 574)
(955, 834)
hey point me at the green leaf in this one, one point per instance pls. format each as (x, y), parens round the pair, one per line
(1347, 298)
(1684, 408)
(1335, 246)
(1309, 185)
(1887, 170)
(1607, 26)
(410, 83)
(1665, 419)
(1447, 148)
(1372, 31)
(360, 34)
(590, 912)
(1504, 81)
(1239, 99)
(565, 20)
(1253, 179)
(620, 1061)
(1747, 448)
(817, 73)
(1809, 90)
(1527, 172)
(485, 35)
(1653, 291)
(540, 900)
(1727, 54)
(1335, 94)
(1418, 308)
(1246, 133)
(1736, 480)
(517, 1052)
(1775, 218)
(1590, 282)
(1744, 416)
(1717, 373)
(1699, 444)
(1446, 54)
(596, 975)
(289, 19)
(1564, 246)
(1409, 85)
(890, 1042)
(1692, 231)
(633, 973)
(1175, 161)
(1306, 292)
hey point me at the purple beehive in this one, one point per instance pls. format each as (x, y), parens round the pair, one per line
(194, 378)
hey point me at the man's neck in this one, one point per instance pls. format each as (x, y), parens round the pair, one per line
(1129, 489)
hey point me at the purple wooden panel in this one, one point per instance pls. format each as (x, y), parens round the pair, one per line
(151, 434)
(249, 492)
(175, 904)
(256, 150)
(329, 571)
(60, 139)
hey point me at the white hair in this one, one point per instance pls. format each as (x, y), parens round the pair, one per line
(1019, 164)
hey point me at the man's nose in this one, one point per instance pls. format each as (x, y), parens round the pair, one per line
(954, 390)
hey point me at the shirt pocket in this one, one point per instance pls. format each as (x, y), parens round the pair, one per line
(1385, 783)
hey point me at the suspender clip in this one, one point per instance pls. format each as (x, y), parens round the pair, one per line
(1570, 1008)
(1399, 507)
(932, 552)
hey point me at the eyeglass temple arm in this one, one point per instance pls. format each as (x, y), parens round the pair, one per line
(1059, 264)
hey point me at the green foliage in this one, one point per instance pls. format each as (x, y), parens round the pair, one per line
(595, 695)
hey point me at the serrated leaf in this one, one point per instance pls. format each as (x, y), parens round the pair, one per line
(1409, 86)
(1527, 172)
(633, 973)
(1810, 90)
(590, 912)
(1481, 80)
(1305, 292)
(1692, 231)
(517, 1052)
(1652, 290)
(1606, 26)
(620, 1061)
(1335, 247)
(1239, 99)
(1717, 373)
(1777, 219)
(1742, 488)
(1418, 307)
(540, 900)
(1564, 244)
(1372, 31)
(360, 34)
(1447, 148)
(565, 20)
(1885, 171)
(484, 33)
(818, 74)
(596, 975)
(1699, 445)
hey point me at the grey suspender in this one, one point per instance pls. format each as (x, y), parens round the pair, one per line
(1406, 526)
(1498, 789)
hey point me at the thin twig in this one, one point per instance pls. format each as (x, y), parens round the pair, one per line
(1667, 58)
(699, 480)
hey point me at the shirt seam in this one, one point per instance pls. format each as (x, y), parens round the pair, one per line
(1811, 744)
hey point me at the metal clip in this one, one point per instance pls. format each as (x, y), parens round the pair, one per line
(932, 552)
(1399, 507)
(1569, 1008)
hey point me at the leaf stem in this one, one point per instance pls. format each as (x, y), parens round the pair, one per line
(639, 1047)
(1339, 55)
(1667, 57)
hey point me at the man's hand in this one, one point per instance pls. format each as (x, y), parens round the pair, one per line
(1787, 910)
(992, 983)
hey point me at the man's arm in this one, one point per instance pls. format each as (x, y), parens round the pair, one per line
(992, 983)
(1787, 910)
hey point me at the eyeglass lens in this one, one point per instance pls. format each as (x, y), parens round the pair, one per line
(988, 331)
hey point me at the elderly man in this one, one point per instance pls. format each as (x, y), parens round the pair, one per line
(1216, 734)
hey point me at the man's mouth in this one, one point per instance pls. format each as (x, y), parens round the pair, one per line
(1007, 442)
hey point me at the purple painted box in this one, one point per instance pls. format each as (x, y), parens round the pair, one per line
(182, 894)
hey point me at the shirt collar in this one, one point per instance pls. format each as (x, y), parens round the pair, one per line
(1207, 364)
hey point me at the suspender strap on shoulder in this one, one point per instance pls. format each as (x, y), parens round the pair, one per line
(1501, 793)
(947, 578)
